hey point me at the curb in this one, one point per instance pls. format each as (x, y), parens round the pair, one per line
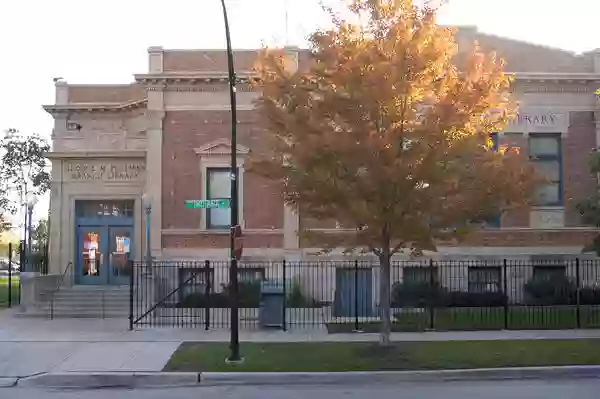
(110, 380)
(360, 377)
(8, 382)
(79, 380)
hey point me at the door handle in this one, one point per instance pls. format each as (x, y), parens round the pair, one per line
(101, 258)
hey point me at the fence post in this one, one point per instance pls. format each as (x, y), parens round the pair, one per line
(10, 274)
(22, 265)
(46, 259)
(432, 296)
(505, 290)
(131, 284)
(284, 301)
(356, 328)
(578, 292)
(207, 295)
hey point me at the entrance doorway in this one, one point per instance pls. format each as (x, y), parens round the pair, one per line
(104, 242)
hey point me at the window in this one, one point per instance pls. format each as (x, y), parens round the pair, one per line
(419, 275)
(545, 153)
(251, 274)
(104, 208)
(495, 142)
(218, 187)
(547, 273)
(484, 279)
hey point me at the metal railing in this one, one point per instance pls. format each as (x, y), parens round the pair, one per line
(59, 285)
(344, 295)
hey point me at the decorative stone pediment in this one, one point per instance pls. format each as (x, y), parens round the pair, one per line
(220, 147)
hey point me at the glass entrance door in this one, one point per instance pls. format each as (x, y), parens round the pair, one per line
(91, 247)
(120, 250)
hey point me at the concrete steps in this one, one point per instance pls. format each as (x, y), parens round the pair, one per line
(85, 302)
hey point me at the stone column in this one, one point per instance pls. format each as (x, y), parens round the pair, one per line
(154, 174)
(597, 120)
(56, 262)
(154, 139)
(291, 227)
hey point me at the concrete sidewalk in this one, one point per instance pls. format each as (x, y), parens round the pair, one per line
(17, 329)
(22, 359)
(34, 346)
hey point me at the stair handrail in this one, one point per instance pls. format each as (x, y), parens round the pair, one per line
(59, 284)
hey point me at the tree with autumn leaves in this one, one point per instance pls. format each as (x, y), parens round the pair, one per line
(384, 134)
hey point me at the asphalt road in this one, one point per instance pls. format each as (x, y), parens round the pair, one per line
(564, 389)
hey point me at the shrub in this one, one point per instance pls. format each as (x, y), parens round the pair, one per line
(589, 296)
(416, 294)
(296, 299)
(475, 299)
(248, 293)
(199, 300)
(423, 294)
(559, 290)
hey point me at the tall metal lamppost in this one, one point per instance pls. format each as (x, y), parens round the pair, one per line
(234, 344)
(30, 205)
(147, 204)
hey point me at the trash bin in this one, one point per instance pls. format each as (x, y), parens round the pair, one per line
(271, 305)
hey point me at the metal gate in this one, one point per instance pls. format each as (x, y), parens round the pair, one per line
(192, 294)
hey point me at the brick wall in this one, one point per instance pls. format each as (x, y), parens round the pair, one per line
(514, 238)
(577, 180)
(186, 130)
(252, 240)
(527, 238)
(106, 93)
(209, 60)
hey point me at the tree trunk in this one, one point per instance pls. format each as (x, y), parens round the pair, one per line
(384, 298)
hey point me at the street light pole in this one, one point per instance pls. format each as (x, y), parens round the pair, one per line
(23, 255)
(147, 204)
(29, 211)
(234, 344)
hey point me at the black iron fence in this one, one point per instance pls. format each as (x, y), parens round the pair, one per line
(11, 267)
(344, 295)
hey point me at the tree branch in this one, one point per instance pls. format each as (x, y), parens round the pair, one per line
(397, 248)
(376, 251)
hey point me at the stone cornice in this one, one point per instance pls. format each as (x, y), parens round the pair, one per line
(191, 77)
(556, 76)
(245, 76)
(96, 154)
(187, 87)
(95, 107)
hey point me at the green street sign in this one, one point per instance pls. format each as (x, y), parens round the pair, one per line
(206, 204)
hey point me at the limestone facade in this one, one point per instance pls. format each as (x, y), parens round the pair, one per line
(160, 135)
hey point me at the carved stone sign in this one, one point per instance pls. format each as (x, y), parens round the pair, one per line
(541, 120)
(535, 119)
(105, 171)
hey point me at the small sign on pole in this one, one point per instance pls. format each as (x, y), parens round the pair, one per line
(207, 204)
(238, 241)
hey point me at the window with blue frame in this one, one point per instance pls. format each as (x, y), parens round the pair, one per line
(545, 152)
(495, 142)
(218, 187)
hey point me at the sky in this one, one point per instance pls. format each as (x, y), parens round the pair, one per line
(106, 41)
